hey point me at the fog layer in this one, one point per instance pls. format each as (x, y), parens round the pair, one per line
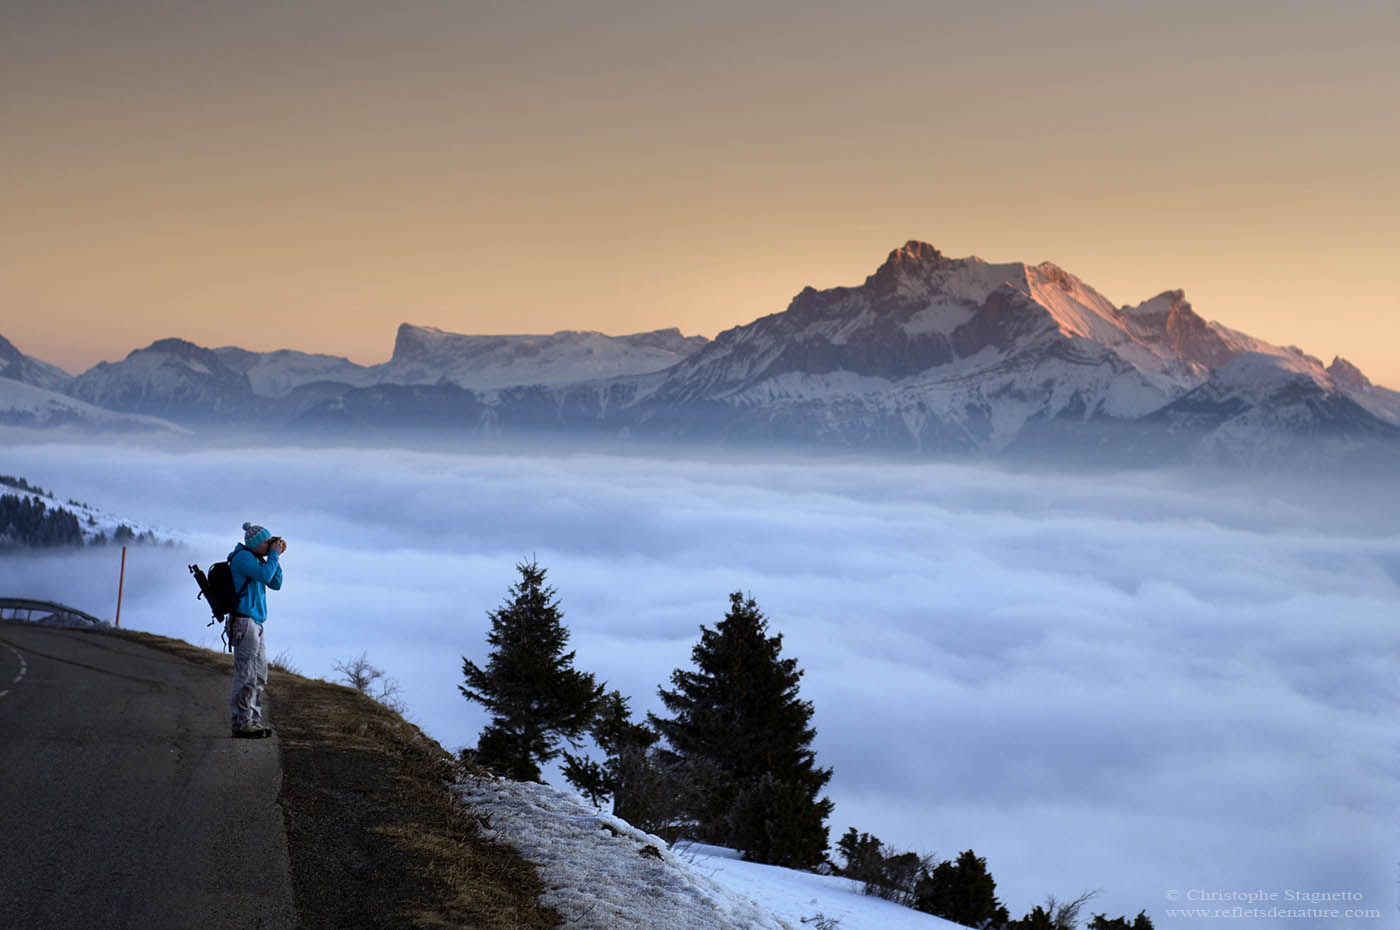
(1130, 684)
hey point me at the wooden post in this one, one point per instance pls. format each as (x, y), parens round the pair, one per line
(121, 583)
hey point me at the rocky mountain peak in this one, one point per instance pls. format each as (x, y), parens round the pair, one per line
(1347, 376)
(181, 349)
(915, 251)
(911, 259)
(1169, 321)
(1159, 308)
(8, 352)
(411, 341)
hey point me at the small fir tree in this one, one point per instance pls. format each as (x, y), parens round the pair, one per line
(863, 855)
(745, 737)
(883, 872)
(1055, 915)
(535, 695)
(619, 776)
(963, 892)
(1037, 919)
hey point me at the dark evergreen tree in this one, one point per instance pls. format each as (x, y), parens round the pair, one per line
(863, 855)
(12, 481)
(1140, 922)
(535, 695)
(779, 821)
(1055, 915)
(963, 892)
(884, 873)
(29, 522)
(1037, 919)
(623, 774)
(745, 737)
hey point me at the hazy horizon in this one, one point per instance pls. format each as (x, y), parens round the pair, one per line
(369, 359)
(310, 175)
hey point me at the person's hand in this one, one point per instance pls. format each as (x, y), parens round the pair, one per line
(280, 546)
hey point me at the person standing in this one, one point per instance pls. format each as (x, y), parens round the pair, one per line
(255, 566)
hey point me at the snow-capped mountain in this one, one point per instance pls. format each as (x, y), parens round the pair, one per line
(279, 373)
(967, 357)
(944, 356)
(1261, 405)
(173, 379)
(238, 388)
(17, 366)
(930, 355)
(425, 355)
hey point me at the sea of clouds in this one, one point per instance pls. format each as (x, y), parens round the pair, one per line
(1152, 684)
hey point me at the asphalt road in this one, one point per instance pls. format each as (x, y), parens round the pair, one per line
(123, 800)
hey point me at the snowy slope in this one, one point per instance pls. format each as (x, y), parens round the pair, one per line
(601, 873)
(1264, 407)
(26, 405)
(793, 896)
(93, 521)
(1380, 402)
(170, 378)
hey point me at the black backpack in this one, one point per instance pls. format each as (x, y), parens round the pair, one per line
(216, 587)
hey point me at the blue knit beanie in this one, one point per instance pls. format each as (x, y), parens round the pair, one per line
(254, 535)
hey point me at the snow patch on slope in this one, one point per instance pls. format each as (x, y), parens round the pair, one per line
(797, 897)
(1077, 308)
(601, 873)
(1380, 402)
(1257, 376)
(939, 317)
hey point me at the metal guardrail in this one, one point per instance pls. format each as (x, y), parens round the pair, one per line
(12, 607)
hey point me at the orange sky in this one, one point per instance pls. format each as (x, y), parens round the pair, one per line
(308, 175)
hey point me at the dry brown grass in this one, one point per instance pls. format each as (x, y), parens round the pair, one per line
(377, 839)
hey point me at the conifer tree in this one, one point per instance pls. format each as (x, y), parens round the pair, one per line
(621, 775)
(535, 695)
(1102, 922)
(884, 872)
(963, 892)
(745, 737)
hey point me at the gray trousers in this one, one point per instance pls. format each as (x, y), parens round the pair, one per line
(249, 672)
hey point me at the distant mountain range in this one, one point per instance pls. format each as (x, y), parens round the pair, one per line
(930, 356)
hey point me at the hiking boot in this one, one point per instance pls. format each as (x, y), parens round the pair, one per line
(251, 732)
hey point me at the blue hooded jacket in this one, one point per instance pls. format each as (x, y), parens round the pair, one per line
(246, 568)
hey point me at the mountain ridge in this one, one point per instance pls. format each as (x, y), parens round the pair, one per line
(929, 355)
